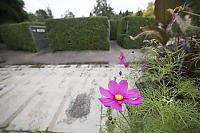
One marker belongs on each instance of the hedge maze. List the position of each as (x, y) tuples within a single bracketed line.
[(78, 33), (131, 26), (86, 33), (18, 37)]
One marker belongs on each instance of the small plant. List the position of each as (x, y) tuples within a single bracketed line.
[(116, 95), (36, 130)]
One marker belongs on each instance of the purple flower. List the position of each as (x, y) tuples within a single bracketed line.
[(120, 73), (121, 58), (118, 94)]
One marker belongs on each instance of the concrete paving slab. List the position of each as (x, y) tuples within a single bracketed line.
[(14, 101), (76, 119), (14, 77), (60, 97), (42, 107)]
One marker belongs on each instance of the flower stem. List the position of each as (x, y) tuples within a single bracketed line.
[(121, 128), (126, 121), (191, 13)]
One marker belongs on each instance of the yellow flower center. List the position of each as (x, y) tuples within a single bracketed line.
[(118, 97), (121, 57)]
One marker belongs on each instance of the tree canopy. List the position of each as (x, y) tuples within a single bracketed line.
[(103, 9), (139, 13), (149, 11), (12, 11), (40, 15), (68, 14)]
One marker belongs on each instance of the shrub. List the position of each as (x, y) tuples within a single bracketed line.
[(113, 29), (17, 36), (78, 33), (175, 96), (134, 24)]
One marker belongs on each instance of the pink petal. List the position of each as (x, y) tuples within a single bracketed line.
[(105, 92), (124, 61), (121, 101), (121, 53), (135, 102), (106, 101), (133, 93), (117, 106), (121, 62), (123, 86), (113, 86)]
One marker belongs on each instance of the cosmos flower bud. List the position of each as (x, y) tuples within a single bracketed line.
[(110, 118), (120, 73), (126, 65)]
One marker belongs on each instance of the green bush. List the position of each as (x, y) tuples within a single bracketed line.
[(17, 36), (78, 33), (113, 29), (134, 24)]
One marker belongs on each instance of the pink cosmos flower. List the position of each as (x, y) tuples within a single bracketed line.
[(121, 58), (120, 73), (118, 94)]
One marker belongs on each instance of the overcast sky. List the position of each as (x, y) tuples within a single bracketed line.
[(82, 7)]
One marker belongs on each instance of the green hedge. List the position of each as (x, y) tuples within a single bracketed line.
[(78, 33), (113, 28), (17, 36), (134, 24)]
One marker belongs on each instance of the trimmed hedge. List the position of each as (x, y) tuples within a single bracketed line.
[(114, 28), (17, 36), (134, 24), (78, 33)]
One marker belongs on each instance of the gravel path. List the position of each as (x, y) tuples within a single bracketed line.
[(69, 57)]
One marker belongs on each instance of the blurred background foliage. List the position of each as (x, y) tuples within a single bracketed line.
[(12, 11)]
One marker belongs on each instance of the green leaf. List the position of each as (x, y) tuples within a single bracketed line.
[(163, 38)]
